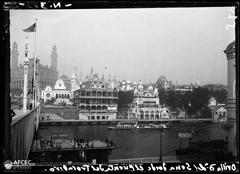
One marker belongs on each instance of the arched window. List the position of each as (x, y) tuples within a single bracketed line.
[(56, 96), (62, 96)]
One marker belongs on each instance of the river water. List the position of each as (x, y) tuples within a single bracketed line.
[(140, 143)]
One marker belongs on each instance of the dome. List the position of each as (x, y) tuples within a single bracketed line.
[(59, 84), (150, 88), (128, 82), (230, 48), (48, 88), (135, 83), (140, 86), (123, 83)]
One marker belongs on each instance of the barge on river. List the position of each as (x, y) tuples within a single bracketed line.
[(121, 126)]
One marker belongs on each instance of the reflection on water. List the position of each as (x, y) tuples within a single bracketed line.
[(139, 143)]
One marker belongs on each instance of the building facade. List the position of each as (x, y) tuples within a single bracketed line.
[(218, 112), (96, 100), (59, 93), (47, 76), (146, 104)]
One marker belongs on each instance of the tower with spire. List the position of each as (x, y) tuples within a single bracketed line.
[(73, 82), (54, 58), (91, 74), (14, 56)]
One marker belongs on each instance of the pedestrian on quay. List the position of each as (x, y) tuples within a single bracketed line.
[(111, 143), (106, 140)]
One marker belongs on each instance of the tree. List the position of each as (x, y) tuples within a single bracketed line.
[(125, 98)]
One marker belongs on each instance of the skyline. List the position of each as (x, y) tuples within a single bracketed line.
[(131, 43)]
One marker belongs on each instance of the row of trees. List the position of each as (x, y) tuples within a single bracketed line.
[(125, 98), (191, 101)]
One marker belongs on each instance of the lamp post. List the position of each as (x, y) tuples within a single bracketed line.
[(160, 156)]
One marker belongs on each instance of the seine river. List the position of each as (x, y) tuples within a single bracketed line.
[(140, 143)]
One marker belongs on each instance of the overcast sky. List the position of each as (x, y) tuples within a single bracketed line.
[(185, 44)]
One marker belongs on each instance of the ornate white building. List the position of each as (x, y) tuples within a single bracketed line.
[(59, 92), (96, 100), (146, 104)]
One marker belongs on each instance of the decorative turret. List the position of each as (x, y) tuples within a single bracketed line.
[(73, 82), (14, 56), (54, 58), (91, 74)]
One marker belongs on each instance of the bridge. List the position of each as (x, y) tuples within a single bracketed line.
[(23, 127)]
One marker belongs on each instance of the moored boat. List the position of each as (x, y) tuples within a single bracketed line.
[(152, 126), (121, 126)]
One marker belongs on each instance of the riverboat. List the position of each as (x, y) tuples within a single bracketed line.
[(122, 126), (152, 126), (140, 127)]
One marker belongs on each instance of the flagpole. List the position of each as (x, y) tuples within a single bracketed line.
[(26, 64), (34, 69)]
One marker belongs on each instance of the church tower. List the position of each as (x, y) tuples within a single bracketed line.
[(231, 99), (14, 56), (54, 58)]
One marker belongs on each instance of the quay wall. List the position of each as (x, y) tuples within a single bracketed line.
[(66, 112)]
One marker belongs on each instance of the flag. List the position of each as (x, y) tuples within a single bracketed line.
[(32, 28)]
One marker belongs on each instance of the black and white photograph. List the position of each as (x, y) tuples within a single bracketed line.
[(138, 85)]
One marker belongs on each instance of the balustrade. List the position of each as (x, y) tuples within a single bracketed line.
[(23, 128)]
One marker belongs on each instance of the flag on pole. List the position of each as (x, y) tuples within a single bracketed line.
[(32, 28)]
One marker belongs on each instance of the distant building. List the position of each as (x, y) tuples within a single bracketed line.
[(96, 100), (146, 104), (126, 86), (212, 102), (163, 83), (215, 87), (218, 112), (184, 88), (47, 76), (59, 93)]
